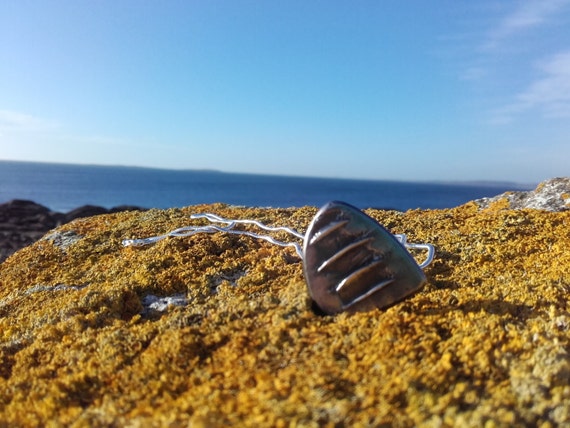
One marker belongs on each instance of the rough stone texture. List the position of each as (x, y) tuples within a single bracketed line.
[(550, 195), (85, 339), (24, 222)]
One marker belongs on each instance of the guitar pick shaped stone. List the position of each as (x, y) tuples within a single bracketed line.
[(352, 263)]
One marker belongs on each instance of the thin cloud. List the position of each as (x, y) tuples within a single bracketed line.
[(504, 48), (528, 15), (491, 48), (13, 121), (17, 124), (549, 94)]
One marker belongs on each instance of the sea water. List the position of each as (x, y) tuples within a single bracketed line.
[(63, 187)]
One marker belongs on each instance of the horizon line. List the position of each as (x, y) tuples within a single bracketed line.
[(473, 182)]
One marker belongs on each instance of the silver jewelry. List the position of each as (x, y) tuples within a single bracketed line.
[(350, 262)]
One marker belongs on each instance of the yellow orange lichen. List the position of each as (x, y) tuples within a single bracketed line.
[(484, 343)]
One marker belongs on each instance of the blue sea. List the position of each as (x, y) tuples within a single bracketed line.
[(63, 187)]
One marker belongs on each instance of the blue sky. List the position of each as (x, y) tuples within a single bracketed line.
[(415, 90)]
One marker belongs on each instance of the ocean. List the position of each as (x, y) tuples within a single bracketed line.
[(63, 187)]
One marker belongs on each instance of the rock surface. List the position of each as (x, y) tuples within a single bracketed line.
[(24, 222), (550, 195), (217, 329)]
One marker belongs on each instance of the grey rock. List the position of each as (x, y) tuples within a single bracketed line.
[(63, 240), (550, 195), (155, 305)]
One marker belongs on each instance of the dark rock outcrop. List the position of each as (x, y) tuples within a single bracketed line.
[(23, 222)]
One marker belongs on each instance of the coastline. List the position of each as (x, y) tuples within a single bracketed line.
[(63, 187)]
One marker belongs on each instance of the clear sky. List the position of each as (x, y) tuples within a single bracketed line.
[(383, 89)]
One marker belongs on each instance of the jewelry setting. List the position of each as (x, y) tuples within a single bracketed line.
[(351, 263)]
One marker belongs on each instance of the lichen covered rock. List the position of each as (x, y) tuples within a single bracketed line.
[(550, 195), (217, 329)]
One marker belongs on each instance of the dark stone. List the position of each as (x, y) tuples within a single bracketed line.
[(26, 213), (23, 222), (85, 211)]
